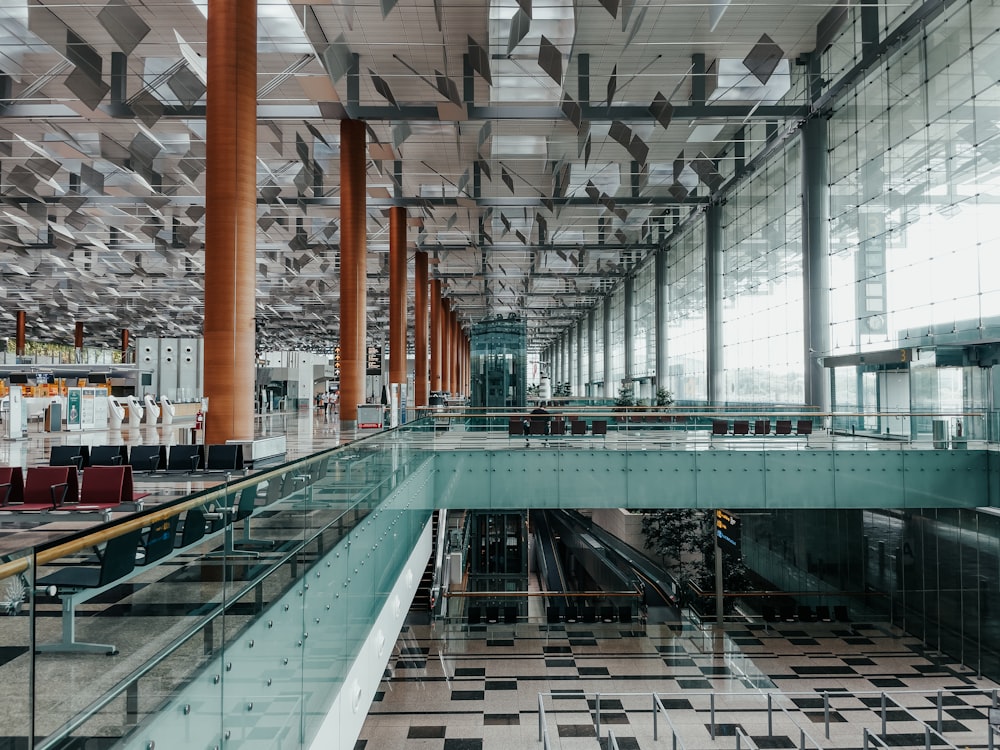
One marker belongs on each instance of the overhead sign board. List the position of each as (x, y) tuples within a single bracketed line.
[(373, 360), (727, 528)]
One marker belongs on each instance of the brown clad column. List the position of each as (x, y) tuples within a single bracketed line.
[(124, 342), (353, 259), (456, 332), (436, 337), (230, 220), (446, 344), (397, 295), (78, 341), (420, 381), (19, 333)]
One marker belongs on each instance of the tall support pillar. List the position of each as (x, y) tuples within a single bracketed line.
[(420, 379), (353, 259), (446, 346), (456, 348), (125, 342), (230, 220), (629, 332), (397, 295), (19, 333), (660, 323), (815, 261), (437, 340), (581, 331), (591, 352), (610, 387), (78, 341), (713, 305)]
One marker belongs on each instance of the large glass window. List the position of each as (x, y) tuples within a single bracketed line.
[(914, 157), (762, 284), (617, 342), (644, 321), (687, 369), (597, 320)]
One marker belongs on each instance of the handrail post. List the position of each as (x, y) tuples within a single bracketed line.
[(597, 711), (884, 730), (940, 711), (802, 739), (770, 719), (541, 717), (864, 735), (989, 737), (826, 712), (711, 705), (927, 737), (738, 735), (656, 716)]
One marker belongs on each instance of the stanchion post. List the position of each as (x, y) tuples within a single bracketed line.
[(826, 712)]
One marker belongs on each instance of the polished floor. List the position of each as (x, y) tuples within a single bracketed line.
[(455, 687)]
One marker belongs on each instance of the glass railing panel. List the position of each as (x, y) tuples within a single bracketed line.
[(16, 657)]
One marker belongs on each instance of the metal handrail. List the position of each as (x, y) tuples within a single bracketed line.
[(676, 742)]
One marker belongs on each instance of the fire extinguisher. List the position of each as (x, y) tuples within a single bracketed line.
[(199, 420)]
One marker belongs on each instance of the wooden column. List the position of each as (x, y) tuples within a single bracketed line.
[(19, 333), (397, 295), (353, 259), (456, 349), (125, 336), (78, 341), (230, 220), (436, 337), (446, 344), (420, 380)]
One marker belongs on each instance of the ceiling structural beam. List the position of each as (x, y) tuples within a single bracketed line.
[(280, 112)]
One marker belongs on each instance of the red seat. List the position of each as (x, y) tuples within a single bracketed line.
[(13, 479), (47, 487), (106, 486)]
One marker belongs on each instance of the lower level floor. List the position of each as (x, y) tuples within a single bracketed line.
[(460, 687)]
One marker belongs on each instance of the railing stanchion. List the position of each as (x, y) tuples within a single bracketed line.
[(802, 739), (770, 720), (927, 737), (864, 734), (940, 711), (597, 711), (826, 712), (656, 719), (541, 717), (884, 729), (711, 705)]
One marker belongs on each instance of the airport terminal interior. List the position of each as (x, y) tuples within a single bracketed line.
[(476, 374)]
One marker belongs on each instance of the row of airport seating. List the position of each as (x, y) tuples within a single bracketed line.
[(151, 458), (762, 427), (46, 488), (124, 556), (541, 426), (788, 612), (588, 614)]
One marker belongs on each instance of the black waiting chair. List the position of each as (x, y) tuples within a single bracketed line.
[(741, 427), (510, 615), (147, 457), (492, 614), (823, 613), (474, 616), (720, 427), (805, 613), (768, 613), (840, 613), (109, 455), (761, 426), (158, 541), (783, 427), (70, 455), (625, 614), (588, 614), (572, 614), (185, 458), (803, 427), (553, 615), (225, 457), (607, 614), (578, 427)]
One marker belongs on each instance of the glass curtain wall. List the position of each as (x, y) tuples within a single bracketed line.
[(915, 152), (598, 355), (686, 324), (762, 283), (617, 343), (644, 321)]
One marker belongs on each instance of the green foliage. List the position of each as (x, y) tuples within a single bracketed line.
[(626, 394), (677, 538), (561, 390), (684, 540), (664, 397)]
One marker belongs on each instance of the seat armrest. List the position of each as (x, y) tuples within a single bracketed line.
[(58, 493)]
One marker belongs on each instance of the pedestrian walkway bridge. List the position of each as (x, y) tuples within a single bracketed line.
[(262, 612)]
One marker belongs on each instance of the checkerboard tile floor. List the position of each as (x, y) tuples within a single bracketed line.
[(456, 688)]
